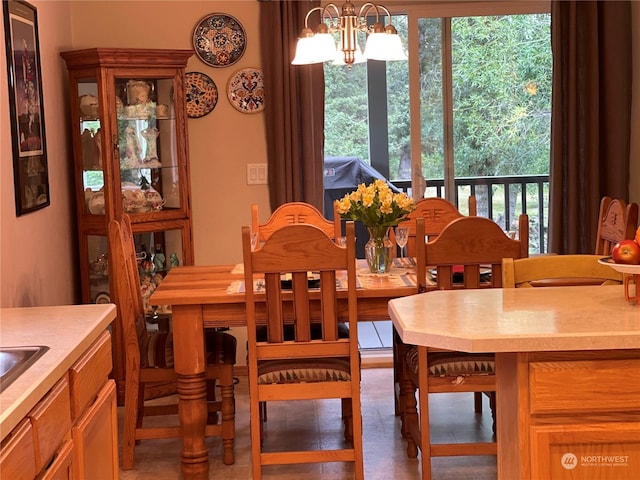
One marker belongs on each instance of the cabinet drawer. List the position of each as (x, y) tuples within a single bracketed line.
[(51, 421), (17, 457), (60, 468), (584, 386), (89, 374)]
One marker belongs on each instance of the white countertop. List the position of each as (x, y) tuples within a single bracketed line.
[(519, 319), (67, 330)]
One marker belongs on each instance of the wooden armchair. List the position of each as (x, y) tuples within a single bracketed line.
[(558, 271), (616, 221), (476, 247), (149, 359), (303, 368)]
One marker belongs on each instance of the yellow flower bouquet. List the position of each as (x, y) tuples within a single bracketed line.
[(378, 208)]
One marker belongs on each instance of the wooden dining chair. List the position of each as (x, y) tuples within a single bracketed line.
[(467, 254), (437, 213), (291, 213), (303, 368), (616, 221), (288, 214), (149, 360), (558, 271)]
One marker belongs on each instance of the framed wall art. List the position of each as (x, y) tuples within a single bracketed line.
[(30, 171)]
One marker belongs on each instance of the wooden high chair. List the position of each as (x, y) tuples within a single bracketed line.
[(557, 271)]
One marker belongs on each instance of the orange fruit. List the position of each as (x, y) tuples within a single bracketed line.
[(638, 236)]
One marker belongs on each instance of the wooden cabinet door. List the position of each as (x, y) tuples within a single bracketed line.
[(95, 438), (62, 466), (17, 456), (603, 451)]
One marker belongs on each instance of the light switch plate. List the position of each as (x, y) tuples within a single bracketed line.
[(257, 174)]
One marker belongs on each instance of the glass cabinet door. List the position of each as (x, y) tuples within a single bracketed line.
[(98, 261), (147, 145), (157, 252), (91, 141)]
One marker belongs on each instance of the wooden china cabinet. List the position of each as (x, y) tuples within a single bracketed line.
[(128, 118)]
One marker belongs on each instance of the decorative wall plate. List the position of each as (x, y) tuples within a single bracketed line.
[(103, 297), (219, 40), (201, 94), (246, 90)]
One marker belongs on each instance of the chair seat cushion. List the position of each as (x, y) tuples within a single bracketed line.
[(304, 371), (452, 363), (158, 350)]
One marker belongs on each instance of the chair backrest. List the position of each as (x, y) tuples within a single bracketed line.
[(557, 270), (124, 271), (468, 253), (293, 213), (292, 252), (437, 213), (616, 221)]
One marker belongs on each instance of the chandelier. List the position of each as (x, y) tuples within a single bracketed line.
[(383, 41)]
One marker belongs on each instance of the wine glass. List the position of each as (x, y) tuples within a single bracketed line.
[(402, 235), (254, 240)]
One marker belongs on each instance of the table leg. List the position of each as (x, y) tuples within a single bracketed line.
[(190, 362), (512, 419)]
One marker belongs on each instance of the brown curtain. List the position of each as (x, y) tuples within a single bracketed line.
[(591, 117), (294, 106)]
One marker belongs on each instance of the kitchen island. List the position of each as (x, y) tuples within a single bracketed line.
[(61, 411), (567, 372)]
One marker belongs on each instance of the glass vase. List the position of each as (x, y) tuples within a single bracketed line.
[(378, 250)]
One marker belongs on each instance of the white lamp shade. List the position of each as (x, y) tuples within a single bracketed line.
[(325, 47), (384, 46), (305, 52), (316, 49), (394, 48)]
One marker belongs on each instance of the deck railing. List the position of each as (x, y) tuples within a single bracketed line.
[(501, 199)]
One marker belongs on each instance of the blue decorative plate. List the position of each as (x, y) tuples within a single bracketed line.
[(246, 90), (201, 94), (219, 40)]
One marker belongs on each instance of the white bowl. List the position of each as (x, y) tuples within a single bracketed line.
[(620, 267)]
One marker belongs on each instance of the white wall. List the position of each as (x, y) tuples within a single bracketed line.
[(38, 259)]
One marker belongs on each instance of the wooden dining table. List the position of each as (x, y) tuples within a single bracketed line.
[(567, 372), (213, 296)]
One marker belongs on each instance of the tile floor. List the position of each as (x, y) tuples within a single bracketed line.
[(316, 423)]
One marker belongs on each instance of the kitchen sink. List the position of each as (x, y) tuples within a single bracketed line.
[(14, 361)]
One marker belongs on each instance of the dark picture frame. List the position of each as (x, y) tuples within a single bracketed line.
[(30, 170)]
